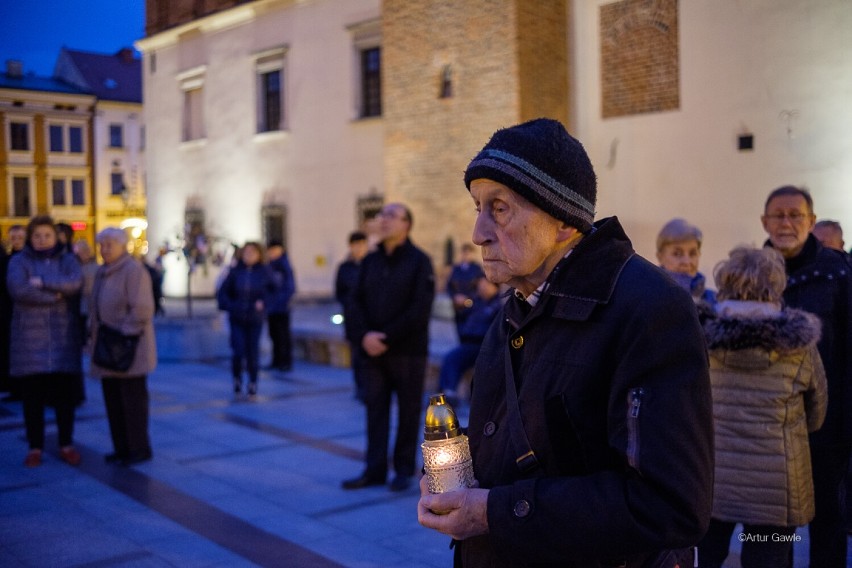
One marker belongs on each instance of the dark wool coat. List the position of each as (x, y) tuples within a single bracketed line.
[(45, 335), (394, 295), (769, 391), (612, 379), (819, 281)]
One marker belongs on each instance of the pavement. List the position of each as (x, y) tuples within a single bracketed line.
[(232, 482)]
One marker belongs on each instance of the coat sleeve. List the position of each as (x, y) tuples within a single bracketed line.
[(656, 491), (140, 300), (419, 309), (68, 281), (224, 296), (816, 397), (20, 289)]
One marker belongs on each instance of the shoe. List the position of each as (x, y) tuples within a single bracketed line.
[(114, 458), (33, 458), (252, 390), (362, 481), (238, 386), (70, 456), (400, 483), (137, 458)]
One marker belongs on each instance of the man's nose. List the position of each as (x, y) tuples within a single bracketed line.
[(481, 231)]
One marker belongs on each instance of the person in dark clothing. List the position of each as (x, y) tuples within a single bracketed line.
[(245, 294), (390, 312), (591, 426), (819, 281), (487, 303), (5, 328), (344, 289), (17, 240), (46, 346), (278, 310), (461, 285)]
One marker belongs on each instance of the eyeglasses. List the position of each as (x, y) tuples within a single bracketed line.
[(795, 217)]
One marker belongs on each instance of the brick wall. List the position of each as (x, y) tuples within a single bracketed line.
[(507, 63), (639, 57)]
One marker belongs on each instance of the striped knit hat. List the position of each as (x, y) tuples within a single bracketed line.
[(545, 165)]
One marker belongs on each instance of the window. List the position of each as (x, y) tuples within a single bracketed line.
[(57, 138), (20, 135), (58, 186), (270, 101), (116, 136), (367, 64), (21, 189), (269, 67), (191, 82), (75, 139), (371, 86), (117, 183), (78, 192), (274, 223), (193, 125)]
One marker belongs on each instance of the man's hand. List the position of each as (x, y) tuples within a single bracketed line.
[(374, 343), (463, 511)]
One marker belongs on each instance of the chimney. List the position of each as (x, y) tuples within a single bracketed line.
[(125, 55), (14, 68)]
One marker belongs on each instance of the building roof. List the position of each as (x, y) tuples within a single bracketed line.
[(116, 77), (31, 82)]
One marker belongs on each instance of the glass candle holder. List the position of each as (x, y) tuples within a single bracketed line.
[(446, 451)]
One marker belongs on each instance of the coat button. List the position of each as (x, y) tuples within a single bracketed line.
[(522, 508), (489, 429), (518, 342)]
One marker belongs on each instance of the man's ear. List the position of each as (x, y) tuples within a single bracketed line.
[(566, 233)]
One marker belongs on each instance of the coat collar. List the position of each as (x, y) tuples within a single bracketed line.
[(585, 278)]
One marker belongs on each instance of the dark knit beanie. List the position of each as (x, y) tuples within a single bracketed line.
[(545, 165)]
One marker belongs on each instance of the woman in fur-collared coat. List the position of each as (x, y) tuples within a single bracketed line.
[(769, 392)]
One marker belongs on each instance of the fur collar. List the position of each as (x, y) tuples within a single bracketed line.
[(788, 330)]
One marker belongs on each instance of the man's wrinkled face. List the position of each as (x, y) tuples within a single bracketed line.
[(516, 237), (788, 222), (681, 257)]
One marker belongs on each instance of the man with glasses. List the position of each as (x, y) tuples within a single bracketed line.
[(390, 314), (818, 281)]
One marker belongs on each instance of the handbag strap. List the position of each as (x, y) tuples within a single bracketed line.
[(526, 460)]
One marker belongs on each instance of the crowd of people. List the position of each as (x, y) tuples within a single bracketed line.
[(622, 412), (56, 301)]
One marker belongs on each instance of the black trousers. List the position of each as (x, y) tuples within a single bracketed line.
[(49, 389), (282, 342), (827, 530), (384, 376), (126, 401)]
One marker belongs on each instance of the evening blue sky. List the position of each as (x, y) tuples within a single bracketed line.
[(33, 31)]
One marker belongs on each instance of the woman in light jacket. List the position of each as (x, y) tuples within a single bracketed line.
[(769, 392), (46, 343), (122, 298)]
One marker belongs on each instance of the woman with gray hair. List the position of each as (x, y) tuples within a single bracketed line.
[(769, 392), (122, 299)]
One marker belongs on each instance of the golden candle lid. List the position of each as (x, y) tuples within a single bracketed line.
[(441, 421)]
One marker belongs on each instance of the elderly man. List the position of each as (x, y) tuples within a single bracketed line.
[(390, 311), (829, 234), (590, 420), (819, 280)]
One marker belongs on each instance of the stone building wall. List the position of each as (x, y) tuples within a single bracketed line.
[(505, 62)]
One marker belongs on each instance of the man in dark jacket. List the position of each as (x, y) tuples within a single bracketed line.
[(590, 421), (390, 318), (819, 280), (345, 283), (278, 311)]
